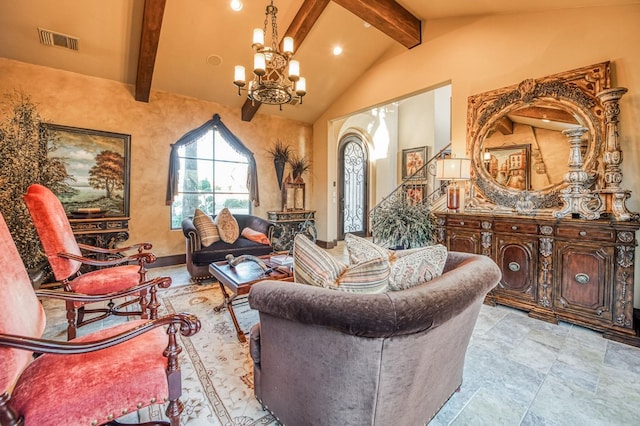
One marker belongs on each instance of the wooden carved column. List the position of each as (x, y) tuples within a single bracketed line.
[(623, 294), (615, 197), (486, 237), (546, 266)]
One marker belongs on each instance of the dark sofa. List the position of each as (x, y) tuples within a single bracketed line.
[(324, 357), (198, 257)]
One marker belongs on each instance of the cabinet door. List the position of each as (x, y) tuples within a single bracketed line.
[(517, 258), (463, 240), (584, 284)]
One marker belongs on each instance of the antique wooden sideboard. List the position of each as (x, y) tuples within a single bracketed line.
[(546, 200), (579, 271)]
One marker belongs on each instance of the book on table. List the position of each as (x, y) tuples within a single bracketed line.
[(282, 259)]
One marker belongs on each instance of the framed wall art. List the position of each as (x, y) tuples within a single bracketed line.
[(97, 165), (412, 161), (510, 166), (415, 192)]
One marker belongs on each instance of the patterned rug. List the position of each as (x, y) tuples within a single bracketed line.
[(217, 371)]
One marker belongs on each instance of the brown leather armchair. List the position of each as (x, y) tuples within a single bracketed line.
[(90, 380), (328, 357)]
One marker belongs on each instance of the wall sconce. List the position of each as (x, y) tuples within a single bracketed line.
[(453, 169)]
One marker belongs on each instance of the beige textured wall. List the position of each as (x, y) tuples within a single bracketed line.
[(479, 54), (76, 100)]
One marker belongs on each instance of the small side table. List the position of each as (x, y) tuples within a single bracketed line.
[(287, 224), (237, 281)]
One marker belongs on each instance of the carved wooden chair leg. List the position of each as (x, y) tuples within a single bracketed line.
[(153, 302), (72, 324), (8, 416), (143, 306), (174, 378)]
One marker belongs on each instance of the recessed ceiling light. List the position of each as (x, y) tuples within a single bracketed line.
[(214, 60), (337, 50), (367, 25), (236, 5)]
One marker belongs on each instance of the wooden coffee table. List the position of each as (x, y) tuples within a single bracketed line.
[(237, 281)]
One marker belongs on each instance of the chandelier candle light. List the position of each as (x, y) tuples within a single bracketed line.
[(453, 169), (276, 79)]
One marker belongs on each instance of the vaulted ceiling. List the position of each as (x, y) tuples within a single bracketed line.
[(190, 47)]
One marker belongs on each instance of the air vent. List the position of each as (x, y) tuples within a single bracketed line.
[(50, 38)]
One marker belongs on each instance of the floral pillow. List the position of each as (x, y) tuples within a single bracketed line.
[(227, 226), (419, 266), (361, 249), (408, 267), (314, 266)]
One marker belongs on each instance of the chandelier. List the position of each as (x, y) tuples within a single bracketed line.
[(276, 79)]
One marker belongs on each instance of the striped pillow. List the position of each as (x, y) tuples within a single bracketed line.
[(207, 230), (314, 266)]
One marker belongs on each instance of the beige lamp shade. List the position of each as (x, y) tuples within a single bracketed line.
[(453, 169)]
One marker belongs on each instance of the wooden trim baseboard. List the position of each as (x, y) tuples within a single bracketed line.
[(326, 244), (176, 259)]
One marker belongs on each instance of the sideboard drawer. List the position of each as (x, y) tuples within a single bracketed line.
[(588, 234), (521, 228), (471, 224)]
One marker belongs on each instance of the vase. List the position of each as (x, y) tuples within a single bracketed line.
[(279, 165)]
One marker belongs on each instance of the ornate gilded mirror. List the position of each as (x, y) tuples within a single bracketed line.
[(516, 142)]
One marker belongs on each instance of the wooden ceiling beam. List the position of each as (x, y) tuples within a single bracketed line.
[(300, 27), (149, 39), (504, 125), (543, 113), (389, 17)]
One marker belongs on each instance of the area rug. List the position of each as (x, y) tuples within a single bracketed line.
[(217, 372)]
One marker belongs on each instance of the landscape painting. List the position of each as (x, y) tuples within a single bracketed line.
[(97, 165)]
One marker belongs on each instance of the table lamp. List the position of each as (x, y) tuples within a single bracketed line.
[(453, 169)]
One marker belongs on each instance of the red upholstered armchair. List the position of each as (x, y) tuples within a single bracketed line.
[(90, 380), (65, 257)]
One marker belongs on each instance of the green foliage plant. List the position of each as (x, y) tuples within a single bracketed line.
[(24, 148), (400, 223)]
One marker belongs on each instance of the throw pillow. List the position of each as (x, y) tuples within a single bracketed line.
[(207, 230), (417, 267), (314, 266), (361, 249), (253, 235), (227, 226)]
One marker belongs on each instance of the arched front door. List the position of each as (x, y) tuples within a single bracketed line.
[(353, 208)]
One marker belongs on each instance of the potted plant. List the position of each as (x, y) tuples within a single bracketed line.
[(299, 165), (281, 154), (399, 223)]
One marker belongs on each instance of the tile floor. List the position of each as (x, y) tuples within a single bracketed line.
[(523, 371)]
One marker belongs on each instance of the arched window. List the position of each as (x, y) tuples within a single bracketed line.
[(210, 169)]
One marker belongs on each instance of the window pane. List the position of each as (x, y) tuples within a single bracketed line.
[(210, 170), (231, 177), (236, 203), (195, 175)]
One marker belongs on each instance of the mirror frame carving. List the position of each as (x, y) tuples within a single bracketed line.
[(575, 91)]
